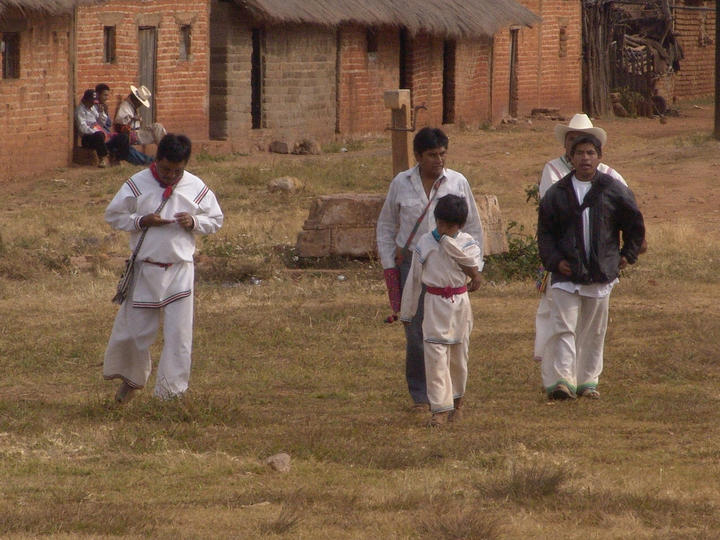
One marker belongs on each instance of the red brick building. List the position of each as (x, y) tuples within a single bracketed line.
[(162, 44), (323, 75), (36, 100)]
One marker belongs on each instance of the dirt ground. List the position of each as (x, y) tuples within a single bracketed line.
[(639, 463), (670, 166)]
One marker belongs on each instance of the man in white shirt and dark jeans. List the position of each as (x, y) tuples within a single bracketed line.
[(406, 215)]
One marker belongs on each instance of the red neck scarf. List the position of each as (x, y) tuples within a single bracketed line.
[(168, 187)]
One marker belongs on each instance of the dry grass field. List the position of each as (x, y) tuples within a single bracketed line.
[(298, 360)]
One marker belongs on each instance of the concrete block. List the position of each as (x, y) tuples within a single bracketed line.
[(344, 209), (354, 242), (314, 243)]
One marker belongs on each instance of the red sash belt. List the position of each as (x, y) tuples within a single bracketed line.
[(446, 292), (161, 265)]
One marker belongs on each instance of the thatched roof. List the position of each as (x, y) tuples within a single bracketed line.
[(456, 18), (52, 7)]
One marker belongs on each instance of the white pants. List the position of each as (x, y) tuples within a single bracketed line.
[(152, 134), (445, 373), (543, 324), (127, 355), (574, 352)]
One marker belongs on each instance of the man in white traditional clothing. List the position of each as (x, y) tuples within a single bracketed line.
[(127, 120), (406, 215), (441, 263), (554, 170), (172, 206)]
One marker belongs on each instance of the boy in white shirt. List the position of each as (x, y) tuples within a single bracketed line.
[(442, 260)]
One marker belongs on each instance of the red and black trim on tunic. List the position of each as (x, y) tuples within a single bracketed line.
[(200, 196), (163, 303)]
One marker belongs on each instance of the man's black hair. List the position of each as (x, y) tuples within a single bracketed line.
[(587, 139), (452, 209), (428, 139), (174, 148), (101, 87)]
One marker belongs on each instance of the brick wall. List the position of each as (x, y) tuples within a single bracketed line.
[(299, 95), (472, 82), (549, 64), (425, 70), (181, 96), (230, 65), (695, 31), (364, 77), (35, 113)]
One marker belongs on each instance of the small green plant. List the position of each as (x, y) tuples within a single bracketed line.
[(532, 193), (522, 260)]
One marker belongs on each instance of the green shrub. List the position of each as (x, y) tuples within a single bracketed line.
[(522, 259)]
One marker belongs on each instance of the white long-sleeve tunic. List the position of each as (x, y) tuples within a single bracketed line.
[(167, 244), (437, 264)]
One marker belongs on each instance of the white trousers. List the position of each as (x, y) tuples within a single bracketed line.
[(543, 323), (445, 373), (127, 355), (574, 352)]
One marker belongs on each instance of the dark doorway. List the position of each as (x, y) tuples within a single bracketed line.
[(514, 98), (405, 80), (257, 72), (448, 87)]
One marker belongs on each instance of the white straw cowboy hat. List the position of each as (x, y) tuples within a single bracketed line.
[(580, 122), (142, 93)]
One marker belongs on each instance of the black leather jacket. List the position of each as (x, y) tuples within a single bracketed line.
[(560, 229)]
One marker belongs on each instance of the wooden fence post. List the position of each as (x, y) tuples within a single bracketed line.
[(398, 101)]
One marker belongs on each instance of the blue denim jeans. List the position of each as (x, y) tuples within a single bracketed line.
[(136, 157), (414, 353)]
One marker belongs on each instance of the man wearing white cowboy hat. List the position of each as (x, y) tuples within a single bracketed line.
[(557, 168), (553, 171), (127, 120)]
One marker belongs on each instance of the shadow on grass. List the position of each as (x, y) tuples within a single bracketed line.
[(82, 518)]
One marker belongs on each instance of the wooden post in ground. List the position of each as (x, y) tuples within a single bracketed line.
[(716, 133), (398, 101)]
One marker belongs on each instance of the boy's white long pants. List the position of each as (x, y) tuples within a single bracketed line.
[(445, 373)]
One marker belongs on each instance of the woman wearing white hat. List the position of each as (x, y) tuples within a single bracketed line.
[(554, 170)]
